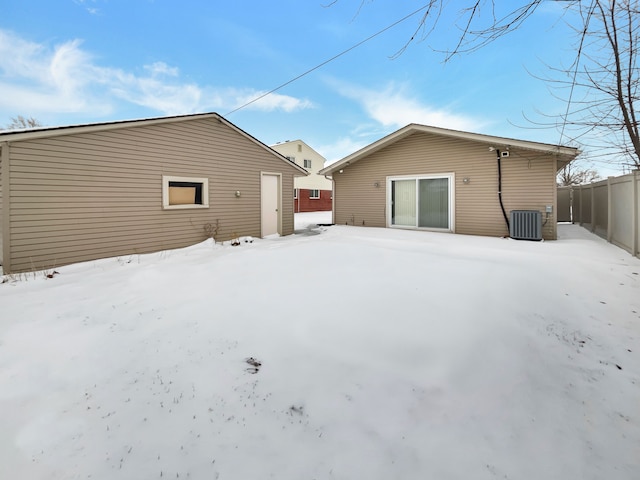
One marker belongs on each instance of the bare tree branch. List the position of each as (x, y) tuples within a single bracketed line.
[(22, 123), (574, 174), (433, 4), (601, 85)]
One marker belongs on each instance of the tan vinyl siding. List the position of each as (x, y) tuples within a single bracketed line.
[(3, 152), (90, 195), (528, 181)]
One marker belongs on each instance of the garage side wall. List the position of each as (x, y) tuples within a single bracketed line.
[(84, 196), (4, 154), (528, 183)]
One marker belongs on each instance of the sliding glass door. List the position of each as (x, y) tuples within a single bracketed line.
[(421, 202), (404, 202)]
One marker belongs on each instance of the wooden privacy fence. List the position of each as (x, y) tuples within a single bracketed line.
[(609, 208)]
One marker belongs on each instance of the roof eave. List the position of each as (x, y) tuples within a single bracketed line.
[(47, 132), (567, 152)]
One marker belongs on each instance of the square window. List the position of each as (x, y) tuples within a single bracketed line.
[(307, 163), (184, 192), (314, 194)]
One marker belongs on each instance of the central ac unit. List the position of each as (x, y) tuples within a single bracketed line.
[(525, 225)]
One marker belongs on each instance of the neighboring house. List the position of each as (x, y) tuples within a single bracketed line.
[(312, 193), (423, 177), (70, 194)]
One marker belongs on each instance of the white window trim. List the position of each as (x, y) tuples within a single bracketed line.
[(452, 196), (314, 198), (165, 192)]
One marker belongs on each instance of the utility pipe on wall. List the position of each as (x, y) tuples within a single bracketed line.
[(504, 213)]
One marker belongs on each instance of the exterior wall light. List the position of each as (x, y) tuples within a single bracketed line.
[(237, 193)]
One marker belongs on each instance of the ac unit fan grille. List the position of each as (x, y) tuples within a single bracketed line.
[(525, 225)]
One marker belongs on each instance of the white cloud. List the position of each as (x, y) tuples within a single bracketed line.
[(340, 149), (151, 92), (38, 79), (388, 109), (273, 101), (83, 3), (66, 68), (393, 107), (161, 68)]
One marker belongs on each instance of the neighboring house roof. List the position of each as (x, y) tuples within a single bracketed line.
[(297, 141), (45, 132), (565, 154)]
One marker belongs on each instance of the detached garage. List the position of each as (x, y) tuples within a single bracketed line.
[(77, 193)]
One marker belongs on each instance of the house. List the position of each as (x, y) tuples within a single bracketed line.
[(312, 193), (423, 177), (77, 193)]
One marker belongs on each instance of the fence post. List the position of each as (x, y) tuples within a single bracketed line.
[(609, 211), (635, 227), (593, 209), (571, 211), (581, 205)]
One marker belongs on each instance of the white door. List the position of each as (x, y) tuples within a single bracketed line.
[(270, 197)]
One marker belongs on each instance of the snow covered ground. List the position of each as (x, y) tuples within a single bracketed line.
[(353, 353)]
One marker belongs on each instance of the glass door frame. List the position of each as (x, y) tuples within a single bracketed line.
[(451, 200)]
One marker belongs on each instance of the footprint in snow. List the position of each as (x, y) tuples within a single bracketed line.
[(255, 365)]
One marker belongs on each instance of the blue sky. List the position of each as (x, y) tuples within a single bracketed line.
[(82, 61)]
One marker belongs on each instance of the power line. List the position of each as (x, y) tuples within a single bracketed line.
[(327, 61)]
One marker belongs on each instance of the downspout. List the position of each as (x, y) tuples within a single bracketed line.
[(504, 213)]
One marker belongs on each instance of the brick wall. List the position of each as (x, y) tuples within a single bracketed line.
[(305, 204)]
